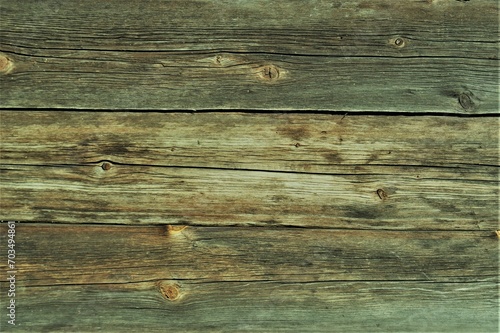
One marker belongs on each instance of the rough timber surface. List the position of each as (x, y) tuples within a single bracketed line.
[(235, 169), (378, 55), (254, 279), (314, 143), (157, 188)]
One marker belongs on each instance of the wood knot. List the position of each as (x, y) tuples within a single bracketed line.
[(465, 100), (269, 73), (382, 194), (6, 64), (169, 290), (106, 166), (175, 229), (398, 42)]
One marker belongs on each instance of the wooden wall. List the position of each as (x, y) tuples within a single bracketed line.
[(261, 166)]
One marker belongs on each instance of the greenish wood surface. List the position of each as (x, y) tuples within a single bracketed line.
[(341, 173), (380, 55), (264, 307), (145, 195), (157, 278), (314, 143), (225, 169)]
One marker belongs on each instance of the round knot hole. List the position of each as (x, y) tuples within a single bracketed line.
[(106, 166), (170, 291), (399, 42)]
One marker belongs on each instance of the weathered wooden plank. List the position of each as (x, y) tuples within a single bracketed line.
[(260, 307), (396, 214), (84, 277), (303, 170), (273, 142), (426, 56), (106, 193), (167, 81), (343, 28), (87, 254)]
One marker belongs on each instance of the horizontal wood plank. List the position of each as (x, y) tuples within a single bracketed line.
[(260, 307), (318, 27), (225, 169), (85, 278), (105, 193), (370, 203), (51, 254), (383, 55), (272, 142)]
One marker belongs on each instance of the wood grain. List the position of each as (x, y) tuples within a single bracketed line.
[(262, 307), (96, 254), (273, 142), (88, 278), (241, 169), (416, 56), (251, 166), (145, 195)]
